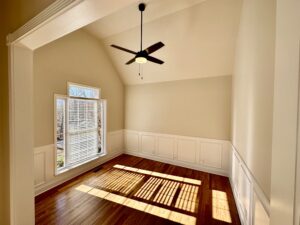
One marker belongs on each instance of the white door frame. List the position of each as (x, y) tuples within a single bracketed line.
[(59, 19), (285, 113)]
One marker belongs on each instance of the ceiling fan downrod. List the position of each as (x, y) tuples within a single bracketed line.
[(142, 7)]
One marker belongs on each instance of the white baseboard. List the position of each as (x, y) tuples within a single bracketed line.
[(44, 163), (208, 155), (253, 205), (182, 164)]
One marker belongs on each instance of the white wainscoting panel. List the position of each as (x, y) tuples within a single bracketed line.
[(186, 150), (260, 215), (132, 141), (39, 168), (166, 147), (44, 163), (148, 143), (244, 190), (116, 141), (235, 171), (211, 154), (192, 152), (253, 206)]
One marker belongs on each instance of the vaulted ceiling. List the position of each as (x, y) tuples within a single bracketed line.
[(199, 38)]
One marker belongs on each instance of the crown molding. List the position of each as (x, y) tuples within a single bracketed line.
[(55, 9)]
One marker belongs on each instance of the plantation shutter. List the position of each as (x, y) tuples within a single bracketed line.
[(82, 123)]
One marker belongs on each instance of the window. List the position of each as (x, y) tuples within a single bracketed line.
[(79, 91), (80, 126)]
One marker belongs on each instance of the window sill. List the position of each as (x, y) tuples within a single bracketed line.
[(66, 169)]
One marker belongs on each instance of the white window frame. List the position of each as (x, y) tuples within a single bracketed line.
[(58, 171), (82, 85), (56, 97)]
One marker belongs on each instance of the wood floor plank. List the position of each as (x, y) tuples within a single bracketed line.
[(128, 194)]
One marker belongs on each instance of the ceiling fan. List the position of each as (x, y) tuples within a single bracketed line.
[(143, 55)]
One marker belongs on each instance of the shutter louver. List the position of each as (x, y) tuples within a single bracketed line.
[(82, 130)]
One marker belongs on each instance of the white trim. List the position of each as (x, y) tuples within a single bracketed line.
[(79, 163), (207, 140), (84, 86), (12, 124), (39, 152), (297, 173), (259, 191), (179, 163), (104, 102), (61, 18), (57, 8), (201, 156), (133, 146), (57, 96), (21, 135), (254, 187)]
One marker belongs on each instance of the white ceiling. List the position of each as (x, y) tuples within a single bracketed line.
[(199, 38)]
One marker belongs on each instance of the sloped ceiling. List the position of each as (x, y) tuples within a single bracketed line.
[(199, 38)]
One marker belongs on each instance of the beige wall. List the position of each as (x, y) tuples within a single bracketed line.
[(79, 58), (253, 89), (198, 107)]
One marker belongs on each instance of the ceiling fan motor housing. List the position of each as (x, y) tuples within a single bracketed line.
[(142, 54), (142, 7)]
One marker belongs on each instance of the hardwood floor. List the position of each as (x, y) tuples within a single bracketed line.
[(132, 190)]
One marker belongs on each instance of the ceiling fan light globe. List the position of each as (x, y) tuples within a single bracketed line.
[(140, 60)]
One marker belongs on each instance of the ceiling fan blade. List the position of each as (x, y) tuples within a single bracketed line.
[(123, 49), (130, 61), (154, 47), (155, 60)]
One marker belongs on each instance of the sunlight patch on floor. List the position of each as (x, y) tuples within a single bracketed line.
[(187, 198), (220, 206), (157, 174), (121, 181), (148, 188), (161, 188), (141, 206), (167, 192)]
